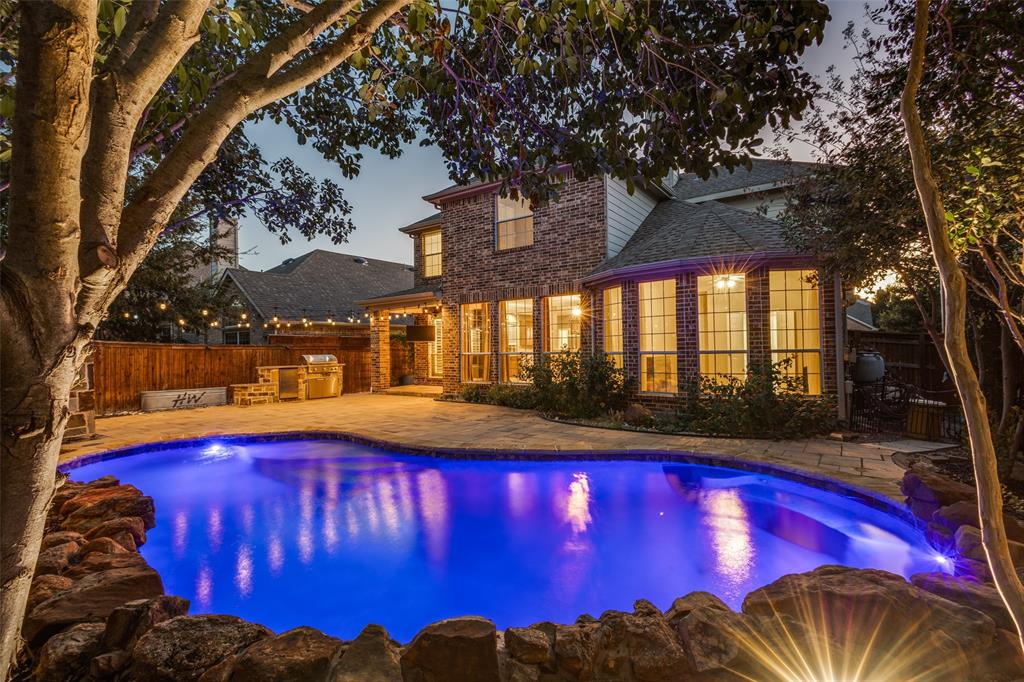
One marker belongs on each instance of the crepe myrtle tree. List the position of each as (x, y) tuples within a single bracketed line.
[(508, 89), (948, 237)]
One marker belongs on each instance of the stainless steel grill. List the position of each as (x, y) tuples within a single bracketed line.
[(323, 376)]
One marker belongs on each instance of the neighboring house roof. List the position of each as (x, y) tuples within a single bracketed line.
[(318, 284), (859, 317), (763, 174), (422, 224), (679, 231)]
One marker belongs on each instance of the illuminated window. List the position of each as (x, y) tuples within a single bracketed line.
[(516, 344), (562, 316), (796, 325), (436, 366), (476, 342), (514, 223), (722, 326), (658, 369), (431, 246), (613, 324)]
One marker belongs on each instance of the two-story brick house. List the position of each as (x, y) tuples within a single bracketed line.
[(684, 278)]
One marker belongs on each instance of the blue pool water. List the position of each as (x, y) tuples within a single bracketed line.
[(337, 535)]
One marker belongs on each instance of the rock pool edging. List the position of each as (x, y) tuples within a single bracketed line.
[(81, 632)]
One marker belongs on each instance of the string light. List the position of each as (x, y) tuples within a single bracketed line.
[(127, 315), (162, 306), (205, 312), (245, 316)]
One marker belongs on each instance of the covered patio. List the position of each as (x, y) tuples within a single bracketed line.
[(423, 304)]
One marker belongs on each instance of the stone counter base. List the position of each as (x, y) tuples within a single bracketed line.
[(97, 612)]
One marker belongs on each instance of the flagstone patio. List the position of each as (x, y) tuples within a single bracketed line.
[(423, 422)]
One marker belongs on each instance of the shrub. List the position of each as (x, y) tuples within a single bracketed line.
[(638, 415), (505, 395), (578, 386), (767, 404)]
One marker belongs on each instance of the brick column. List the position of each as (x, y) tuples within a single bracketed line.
[(421, 351), (686, 328), (759, 341), (589, 303), (829, 334), (380, 351), (631, 332), (451, 327), (495, 338)]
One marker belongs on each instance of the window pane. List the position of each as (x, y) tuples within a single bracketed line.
[(476, 342), (514, 221), (658, 373), (431, 245), (516, 336), (722, 325), (795, 326), (562, 317), (613, 325)]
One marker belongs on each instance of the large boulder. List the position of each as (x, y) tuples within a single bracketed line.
[(870, 608), (968, 544), (575, 649), (638, 646), (127, 623), (66, 655), (59, 538), (370, 656), (300, 654), (93, 508), (530, 646), (453, 650), (98, 563), (713, 637), (117, 528), (977, 595), (56, 559), (102, 546), (182, 649), (927, 491), (45, 586), (91, 599)]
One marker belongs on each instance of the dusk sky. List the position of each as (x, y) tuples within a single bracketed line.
[(387, 193)]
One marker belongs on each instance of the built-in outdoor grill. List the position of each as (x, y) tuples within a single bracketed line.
[(323, 376)]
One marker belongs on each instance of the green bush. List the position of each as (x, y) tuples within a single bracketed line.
[(578, 386), (768, 404), (505, 395)]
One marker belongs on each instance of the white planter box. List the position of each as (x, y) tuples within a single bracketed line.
[(182, 398)]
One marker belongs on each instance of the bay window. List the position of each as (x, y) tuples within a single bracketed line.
[(476, 342), (516, 342), (795, 319), (658, 360), (722, 326)]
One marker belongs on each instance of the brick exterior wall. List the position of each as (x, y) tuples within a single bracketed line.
[(568, 243)]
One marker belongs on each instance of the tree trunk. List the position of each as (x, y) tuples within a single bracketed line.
[(990, 500), (1010, 355)]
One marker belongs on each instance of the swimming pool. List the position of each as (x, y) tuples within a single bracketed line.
[(335, 535)]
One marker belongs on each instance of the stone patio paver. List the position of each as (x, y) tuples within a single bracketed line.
[(429, 423)]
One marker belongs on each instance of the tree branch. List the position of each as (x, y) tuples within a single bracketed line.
[(986, 475)]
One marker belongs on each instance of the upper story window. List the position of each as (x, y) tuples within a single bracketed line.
[(722, 326), (514, 222), (795, 320), (562, 317), (431, 247)]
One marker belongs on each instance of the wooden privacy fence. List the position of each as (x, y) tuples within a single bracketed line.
[(121, 371), (910, 358)]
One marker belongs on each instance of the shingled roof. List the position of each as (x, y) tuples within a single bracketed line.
[(319, 283), (679, 230), (762, 172)]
